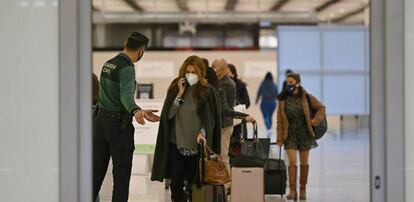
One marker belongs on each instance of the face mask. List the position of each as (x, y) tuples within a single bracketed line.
[(139, 56), (191, 79), (290, 88)]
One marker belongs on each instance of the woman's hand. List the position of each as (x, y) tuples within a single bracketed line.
[(181, 87), (314, 122), (201, 139)]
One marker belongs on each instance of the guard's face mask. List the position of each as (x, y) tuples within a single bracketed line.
[(140, 54), (192, 79)]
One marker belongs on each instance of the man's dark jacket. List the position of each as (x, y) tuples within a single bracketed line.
[(228, 85)]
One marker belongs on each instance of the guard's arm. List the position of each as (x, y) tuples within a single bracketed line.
[(127, 88)]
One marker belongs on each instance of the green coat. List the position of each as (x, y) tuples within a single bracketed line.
[(209, 112)]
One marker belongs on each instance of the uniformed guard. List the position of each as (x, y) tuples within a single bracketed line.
[(113, 132)]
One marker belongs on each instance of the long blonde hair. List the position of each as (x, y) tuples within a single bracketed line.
[(201, 87)]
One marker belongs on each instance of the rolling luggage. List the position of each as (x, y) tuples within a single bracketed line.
[(275, 176), (247, 184), (203, 192), (208, 193)]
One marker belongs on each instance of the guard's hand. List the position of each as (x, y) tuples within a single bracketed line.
[(139, 117), (201, 139), (250, 119), (150, 116), (181, 86)]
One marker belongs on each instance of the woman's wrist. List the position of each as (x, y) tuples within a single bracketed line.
[(178, 101)]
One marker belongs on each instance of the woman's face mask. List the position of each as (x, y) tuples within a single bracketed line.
[(291, 87), (192, 79)]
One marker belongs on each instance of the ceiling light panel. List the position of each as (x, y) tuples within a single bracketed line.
[(158, 5), (359, 18), (340, 8), (112, 5), (206, 5), (297, 6), (254, 5)]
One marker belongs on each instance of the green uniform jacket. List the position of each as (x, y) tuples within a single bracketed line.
[(210, 114), (117, 85)]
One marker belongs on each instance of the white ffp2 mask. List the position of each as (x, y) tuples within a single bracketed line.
[(191, 79)]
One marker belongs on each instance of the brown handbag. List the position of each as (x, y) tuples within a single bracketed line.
[(215, 172)]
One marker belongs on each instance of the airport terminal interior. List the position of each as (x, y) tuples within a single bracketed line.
[(354, 56), (255, 49)]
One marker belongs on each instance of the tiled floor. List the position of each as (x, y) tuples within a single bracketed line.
[(339, 169)]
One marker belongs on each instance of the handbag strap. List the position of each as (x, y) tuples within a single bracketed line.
[(208, 151), (255, 135), (244, 131)]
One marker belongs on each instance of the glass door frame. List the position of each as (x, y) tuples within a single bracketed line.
[(75, 95), (387, 101)]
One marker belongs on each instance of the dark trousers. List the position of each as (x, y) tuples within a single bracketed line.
[(182, 168), (268, 108), (109, 140)]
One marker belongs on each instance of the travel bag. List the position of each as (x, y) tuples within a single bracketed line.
[(275, 176)]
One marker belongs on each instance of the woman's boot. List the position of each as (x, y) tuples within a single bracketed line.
[(304, 171), (293, 194)]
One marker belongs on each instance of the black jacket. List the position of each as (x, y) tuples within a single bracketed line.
[(209, 113), (242, 96)]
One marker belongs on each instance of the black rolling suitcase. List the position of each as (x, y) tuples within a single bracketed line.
[(275, 176)]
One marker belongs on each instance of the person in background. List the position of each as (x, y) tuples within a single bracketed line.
[(226, 111), (227, 84), (268, 93), (295, 132), (95, 93), (288, 71), (242, 96), (210, 74), (95, 89), (113, 132), (190, 115)]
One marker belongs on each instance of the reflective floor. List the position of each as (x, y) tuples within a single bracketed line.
[(339, 168)]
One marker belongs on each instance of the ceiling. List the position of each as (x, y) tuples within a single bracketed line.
[(277, 11)]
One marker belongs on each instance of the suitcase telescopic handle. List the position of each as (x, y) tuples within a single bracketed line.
[(280, 166), (280, 152), (201, 165)]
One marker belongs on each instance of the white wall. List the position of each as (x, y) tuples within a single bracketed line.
[(29, 101), (162, 66), (409, 100)]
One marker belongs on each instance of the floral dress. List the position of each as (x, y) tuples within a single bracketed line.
[(298, 135)]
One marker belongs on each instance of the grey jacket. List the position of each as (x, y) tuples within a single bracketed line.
[(227, 84)]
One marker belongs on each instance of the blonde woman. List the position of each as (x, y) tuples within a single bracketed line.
[(190, 115)]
